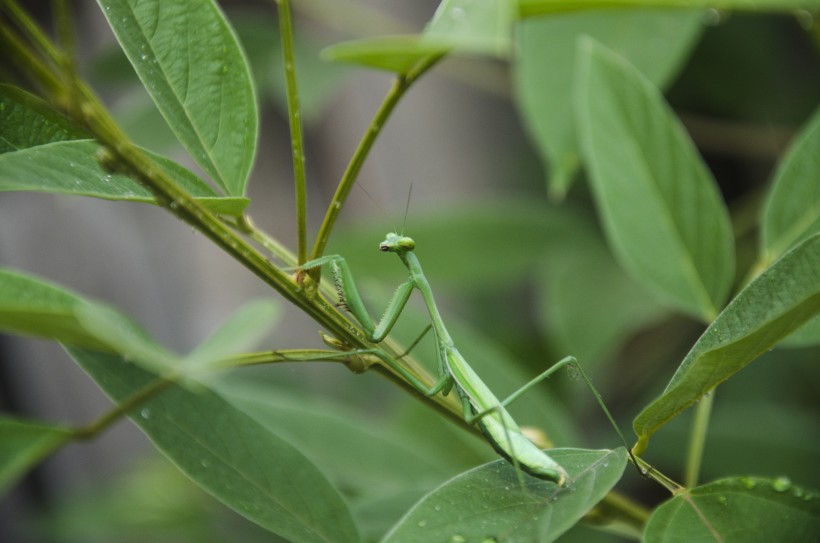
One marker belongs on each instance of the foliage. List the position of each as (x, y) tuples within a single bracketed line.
[(642, 249)]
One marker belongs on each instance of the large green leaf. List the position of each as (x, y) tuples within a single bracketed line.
[(656, 41), (189, 60), (34, 307), (488, 503), (792, 211), (659, 204), (71, 167), (738, 510), (43, 151), (229, 454), (24, 444), (365, 455), (775, 304)]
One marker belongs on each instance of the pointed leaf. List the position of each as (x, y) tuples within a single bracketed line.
[(189, 60), (71, 167), (738, 510), (775, 304), (24, 444), (488, 502), (31, 306), (792, 211), (230, 455), (655, 41), (365, 456), (660, 206)]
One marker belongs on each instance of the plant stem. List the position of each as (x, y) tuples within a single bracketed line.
[(400, 86), (697, 441), (649, 471), (30, 28), (295, 118), (17, 51), (123, 408)]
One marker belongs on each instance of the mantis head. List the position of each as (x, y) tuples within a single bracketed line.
[(395, 243)]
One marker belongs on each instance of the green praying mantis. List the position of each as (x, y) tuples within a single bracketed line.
[(480, 405)]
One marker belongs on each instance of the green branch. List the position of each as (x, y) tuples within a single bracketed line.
[(295, 119), (400, 86)]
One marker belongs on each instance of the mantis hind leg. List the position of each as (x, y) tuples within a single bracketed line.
[(569, 361)]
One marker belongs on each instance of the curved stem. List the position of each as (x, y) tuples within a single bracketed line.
[(400, 86)]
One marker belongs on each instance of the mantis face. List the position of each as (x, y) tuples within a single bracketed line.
[(395, 243)]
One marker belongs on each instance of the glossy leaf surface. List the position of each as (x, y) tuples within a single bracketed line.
[(661, 209), (190, 61), (775, 304), (489, 503), (655, 41), (229, 454), (738, 510), (42, 151)]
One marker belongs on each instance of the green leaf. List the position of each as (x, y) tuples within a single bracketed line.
[(474, 25), (42, 151), (539, 7), (226, 452), (655, 41), (24, 444), (489, 503), (470, 26), (189, 60), (71, 167), (775, 304), (738, 510), (399, 54), (30, 306), (365, 456), (792, 211), (27, 121), (661, 209)]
